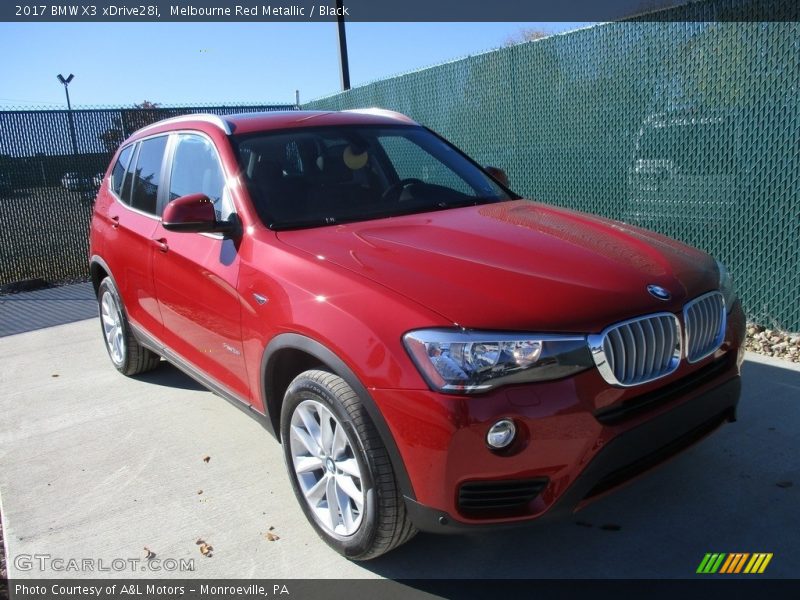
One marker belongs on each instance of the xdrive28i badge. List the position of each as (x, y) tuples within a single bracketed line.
[(658, 292)]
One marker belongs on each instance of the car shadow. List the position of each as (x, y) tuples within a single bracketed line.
[(169, 375), (736, 491)]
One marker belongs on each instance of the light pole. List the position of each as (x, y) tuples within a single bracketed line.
[(65, 83), (343, 62)]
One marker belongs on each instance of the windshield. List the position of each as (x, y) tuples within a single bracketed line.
[(328, 175)]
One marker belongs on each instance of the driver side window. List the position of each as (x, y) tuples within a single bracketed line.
[(196, 170)]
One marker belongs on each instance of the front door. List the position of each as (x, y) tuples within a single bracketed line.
[(196, 274)]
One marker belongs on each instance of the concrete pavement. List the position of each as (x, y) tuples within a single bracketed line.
[(97, 466)]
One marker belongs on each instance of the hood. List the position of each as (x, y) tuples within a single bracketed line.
[(517, 265)]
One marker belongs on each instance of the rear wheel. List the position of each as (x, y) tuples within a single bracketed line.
[(128, 356), (339, 468)]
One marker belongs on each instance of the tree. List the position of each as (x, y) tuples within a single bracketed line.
[(526, 35), (129, 120)]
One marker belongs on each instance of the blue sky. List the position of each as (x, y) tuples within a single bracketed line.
[(199, 63)]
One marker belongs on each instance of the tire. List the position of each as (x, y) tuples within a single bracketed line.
[(350, 457), (128, 356)]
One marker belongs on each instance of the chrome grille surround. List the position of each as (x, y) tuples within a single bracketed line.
[(705, 320), (638, 350)]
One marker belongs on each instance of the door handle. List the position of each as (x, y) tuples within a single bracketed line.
[(115, 222), (162, 244)]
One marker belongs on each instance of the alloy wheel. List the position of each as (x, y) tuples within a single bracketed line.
[(327, 470), (112, 328)]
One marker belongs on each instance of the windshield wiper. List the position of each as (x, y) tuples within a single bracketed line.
[(397, 212), (475, 201), (301, 224)]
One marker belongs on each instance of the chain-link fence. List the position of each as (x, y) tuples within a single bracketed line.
[(689, 129), (51, 163)]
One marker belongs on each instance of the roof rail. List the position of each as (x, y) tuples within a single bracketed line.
[(206, 117), (382, 112)]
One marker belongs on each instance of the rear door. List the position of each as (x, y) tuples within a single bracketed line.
[(132, 222), (196, 273)]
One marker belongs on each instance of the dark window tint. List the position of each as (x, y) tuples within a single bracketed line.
[(320, 176), (412, 161), (148, 174), (127, 182), (120, 167), (196, 170)]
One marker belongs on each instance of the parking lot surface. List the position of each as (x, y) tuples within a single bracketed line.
[(97, 466)]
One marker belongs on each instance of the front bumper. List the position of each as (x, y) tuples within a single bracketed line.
[(626, 456), (577, 438)]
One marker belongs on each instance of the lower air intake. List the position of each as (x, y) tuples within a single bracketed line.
[(494, 496)]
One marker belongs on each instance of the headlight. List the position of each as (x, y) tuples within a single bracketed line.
[(726, 286), (458, 361)]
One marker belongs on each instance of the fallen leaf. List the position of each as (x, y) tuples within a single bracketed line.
[(784, 484), (271, 537), (206, 459), (206, 549), (148, 554)]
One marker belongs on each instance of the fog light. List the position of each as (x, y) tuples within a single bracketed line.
[(501, 434)]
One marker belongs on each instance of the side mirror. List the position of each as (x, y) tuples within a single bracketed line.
[(498, 174), (193, 214)]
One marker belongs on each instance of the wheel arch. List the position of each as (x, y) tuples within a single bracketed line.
[(98, 270), (289, 354)]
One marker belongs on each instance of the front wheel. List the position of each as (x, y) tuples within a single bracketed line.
[(339, 468)]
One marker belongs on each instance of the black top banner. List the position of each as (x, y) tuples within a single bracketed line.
[(405, 11)]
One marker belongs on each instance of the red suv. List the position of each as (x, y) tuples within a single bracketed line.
[(433, 352)]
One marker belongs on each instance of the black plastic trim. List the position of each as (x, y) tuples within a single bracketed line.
[(501, 496), (95, 259), (152, 343), (635, 406), (648, 461)]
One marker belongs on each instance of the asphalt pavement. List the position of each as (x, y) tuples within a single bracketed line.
[(102, 468)]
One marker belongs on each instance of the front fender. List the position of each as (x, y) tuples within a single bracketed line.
[(272, 404)]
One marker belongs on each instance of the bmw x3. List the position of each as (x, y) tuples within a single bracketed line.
[(432, 351)]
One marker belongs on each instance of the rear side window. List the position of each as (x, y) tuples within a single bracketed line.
[(118, 174), (147, 175), (127, 181)]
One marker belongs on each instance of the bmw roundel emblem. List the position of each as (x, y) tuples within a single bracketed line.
[(658, 292)]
